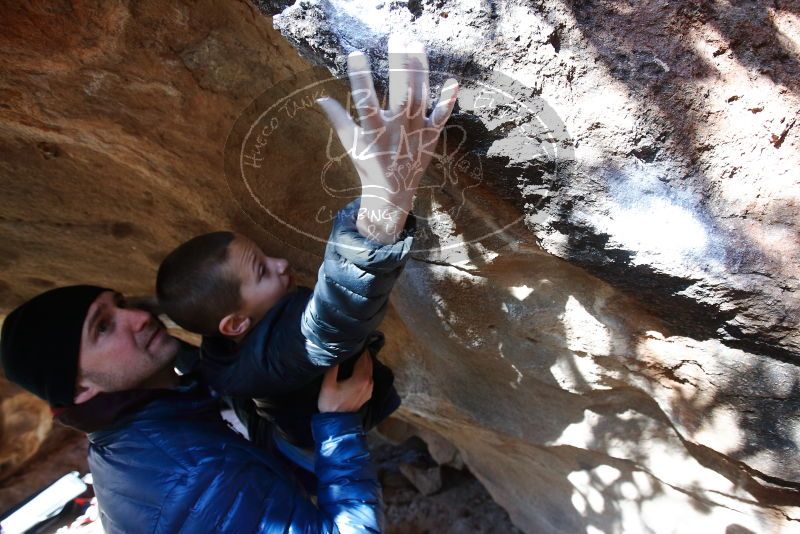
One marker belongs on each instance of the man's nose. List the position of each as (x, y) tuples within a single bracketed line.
[(281, 265), (138, 319)]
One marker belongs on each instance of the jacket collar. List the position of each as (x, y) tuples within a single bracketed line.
[(105, 409), (223, 351)]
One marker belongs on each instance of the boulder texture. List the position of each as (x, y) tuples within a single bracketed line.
[(113, 120), (630, 346), (601, 313)]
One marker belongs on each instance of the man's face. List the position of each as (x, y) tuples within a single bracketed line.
[(122, 348), (263, 280)]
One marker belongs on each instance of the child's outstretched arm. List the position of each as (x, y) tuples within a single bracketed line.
[(308, 332), (371, 237)]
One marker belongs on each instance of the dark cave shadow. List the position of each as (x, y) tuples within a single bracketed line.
[(631, 58), (660, 292)]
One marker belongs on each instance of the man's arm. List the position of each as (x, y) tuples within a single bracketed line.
[(228, 495), (348, 488)]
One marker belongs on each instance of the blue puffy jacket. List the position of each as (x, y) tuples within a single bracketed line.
[(173, 465)]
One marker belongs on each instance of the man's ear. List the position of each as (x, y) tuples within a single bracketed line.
[(233, 325), (85, 392)]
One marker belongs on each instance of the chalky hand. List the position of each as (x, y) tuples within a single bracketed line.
[(390, 148)]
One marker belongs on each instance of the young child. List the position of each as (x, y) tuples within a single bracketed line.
[(265, 338)]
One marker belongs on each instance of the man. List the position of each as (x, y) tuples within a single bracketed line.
[(161, 456)]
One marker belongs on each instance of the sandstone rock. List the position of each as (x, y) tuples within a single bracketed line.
[(601, 313), (669, 183), (442, 451), (395, 431), (25, 422), (114, 122), (635, 142), (427, 480)]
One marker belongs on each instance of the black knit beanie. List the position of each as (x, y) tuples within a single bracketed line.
[(41, 340)]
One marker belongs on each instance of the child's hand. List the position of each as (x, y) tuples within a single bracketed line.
[(348, 395), (391, 148)]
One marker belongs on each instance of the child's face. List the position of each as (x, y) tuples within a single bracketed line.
[(264, 280)]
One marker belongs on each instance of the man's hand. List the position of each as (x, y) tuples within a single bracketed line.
[(348, 395), (390, 148)]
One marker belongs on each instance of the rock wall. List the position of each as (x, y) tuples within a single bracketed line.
[(601, 314), (113, 120)]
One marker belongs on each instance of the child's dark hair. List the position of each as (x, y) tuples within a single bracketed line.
[(195, 288)]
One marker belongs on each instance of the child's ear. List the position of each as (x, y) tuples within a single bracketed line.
[(233, 325)]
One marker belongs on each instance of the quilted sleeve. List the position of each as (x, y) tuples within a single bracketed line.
[(227, 495), (352, 291)]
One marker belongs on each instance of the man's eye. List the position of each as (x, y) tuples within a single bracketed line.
[(103, 327), (261, 271)]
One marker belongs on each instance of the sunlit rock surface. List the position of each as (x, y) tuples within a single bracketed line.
[(625, 357), (601, 313)]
